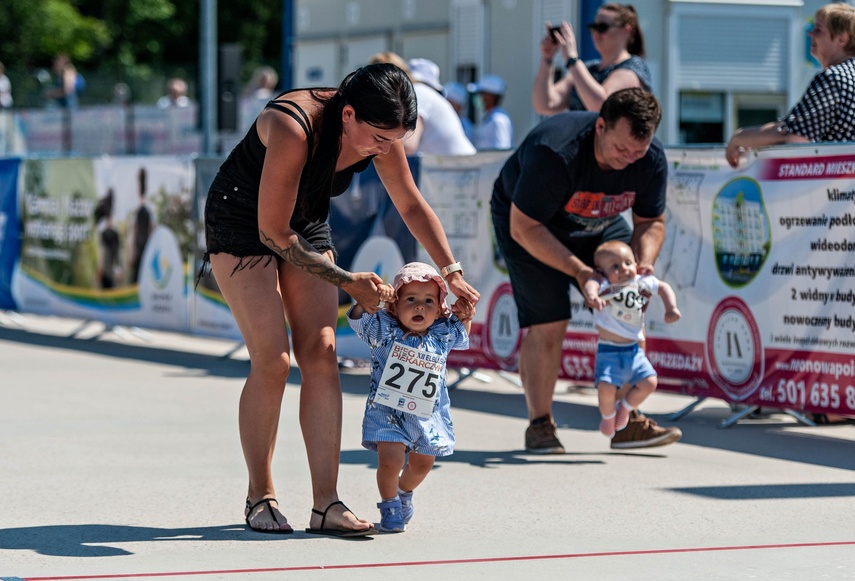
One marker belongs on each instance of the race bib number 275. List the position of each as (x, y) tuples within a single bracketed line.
[(410, 381)]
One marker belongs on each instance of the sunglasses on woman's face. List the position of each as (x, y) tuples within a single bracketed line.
[(601, 27)]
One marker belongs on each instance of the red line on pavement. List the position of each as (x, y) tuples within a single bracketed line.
[(447, 561)]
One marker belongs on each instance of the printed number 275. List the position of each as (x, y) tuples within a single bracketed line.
[(400, 370)]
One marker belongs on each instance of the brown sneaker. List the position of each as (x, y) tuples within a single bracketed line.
[(642, 432), (540, 437)]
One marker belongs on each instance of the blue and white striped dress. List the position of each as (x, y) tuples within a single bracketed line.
[(432, 436)]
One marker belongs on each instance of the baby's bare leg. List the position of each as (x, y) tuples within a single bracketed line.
[(606, 400), (390, 460), (417, 468), (641, 391), (606, 393)]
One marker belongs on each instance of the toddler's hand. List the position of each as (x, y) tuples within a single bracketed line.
[(673, 316), (463, 309), (387, 292)]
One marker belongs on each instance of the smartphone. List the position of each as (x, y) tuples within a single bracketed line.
[(555, 31)]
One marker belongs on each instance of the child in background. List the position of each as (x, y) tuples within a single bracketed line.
[(408, 412), (619, 320)]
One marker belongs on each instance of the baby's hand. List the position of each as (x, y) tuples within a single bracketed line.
[(387, 292), (673, 316), (595, 303), (590, 284), (463, 309)]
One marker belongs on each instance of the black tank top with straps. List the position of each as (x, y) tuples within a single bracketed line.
[(243, 166)]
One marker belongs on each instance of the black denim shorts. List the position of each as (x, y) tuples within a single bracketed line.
[(231, 226), (541, 293)]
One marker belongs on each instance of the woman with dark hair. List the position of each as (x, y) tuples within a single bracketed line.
[(269, 246), (586, 85)]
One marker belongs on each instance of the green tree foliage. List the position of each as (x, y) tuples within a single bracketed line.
[(33, 31), (143, 31), (257, 26), (132, 38)]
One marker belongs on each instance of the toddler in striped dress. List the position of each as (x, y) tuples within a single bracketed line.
[(408, 413)]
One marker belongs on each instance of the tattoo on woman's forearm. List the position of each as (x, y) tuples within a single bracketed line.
[(305, 257)]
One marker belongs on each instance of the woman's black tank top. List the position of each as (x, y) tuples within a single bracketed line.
[(243, 166)]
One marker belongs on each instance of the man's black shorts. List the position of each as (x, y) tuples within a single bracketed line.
[(541, 293)]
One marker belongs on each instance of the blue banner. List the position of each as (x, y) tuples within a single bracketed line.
[(10, 243)]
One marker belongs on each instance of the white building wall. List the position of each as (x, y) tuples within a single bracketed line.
[(508, 53), (360, 28)]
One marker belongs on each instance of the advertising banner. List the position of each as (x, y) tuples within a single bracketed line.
[(775, 284), (209, 313), (458, 189), (761, 260), (107, 239), (10, 244)]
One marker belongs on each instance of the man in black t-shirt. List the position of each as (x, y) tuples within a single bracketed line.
[(556, 199)]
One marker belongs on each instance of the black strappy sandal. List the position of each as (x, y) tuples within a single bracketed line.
[(336, 532), (266, 501)]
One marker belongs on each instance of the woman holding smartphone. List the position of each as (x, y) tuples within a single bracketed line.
[(585, 85)]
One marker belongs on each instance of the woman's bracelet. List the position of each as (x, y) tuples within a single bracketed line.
[(549, 61)]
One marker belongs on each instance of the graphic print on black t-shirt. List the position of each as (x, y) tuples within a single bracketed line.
[(591, 210)]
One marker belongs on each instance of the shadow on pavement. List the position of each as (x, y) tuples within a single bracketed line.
[(99, 540), (201, 364), (769, 439), (89, 540), (475, 458), (771, 491)]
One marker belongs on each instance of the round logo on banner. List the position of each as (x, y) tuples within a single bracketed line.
[(734, 352), (162, 289), (379, 254), (503, 327)]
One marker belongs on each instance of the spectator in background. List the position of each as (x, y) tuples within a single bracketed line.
[(5, 89), (496, 130), (438, 130), (458, 96), (826, 111), (121, 94), (67, 83), (262, 85), (392, 59), (260, 90), (617, 37), (176, 94)]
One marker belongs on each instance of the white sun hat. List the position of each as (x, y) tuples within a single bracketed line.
[(426, 71)]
